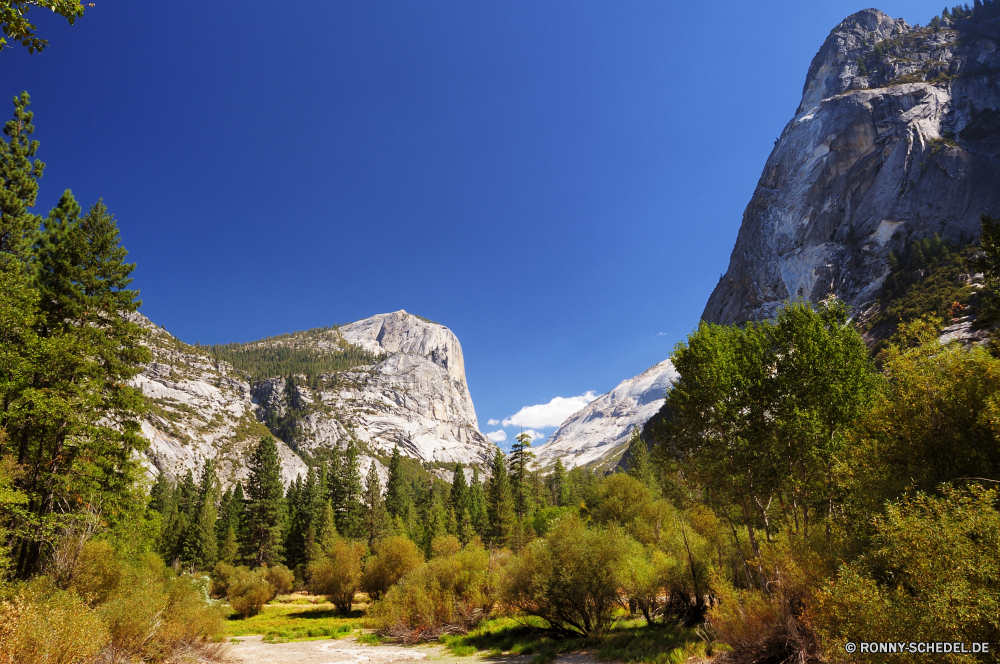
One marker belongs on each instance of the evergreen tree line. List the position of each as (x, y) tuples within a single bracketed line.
[(981, 10), (261, 523), (262, 360)]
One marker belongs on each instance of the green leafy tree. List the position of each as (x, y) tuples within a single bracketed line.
[(376, 517), (761, 413), (19, 30), (266, 508), (500, 503)]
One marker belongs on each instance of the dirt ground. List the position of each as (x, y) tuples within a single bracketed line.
[(252, 650)]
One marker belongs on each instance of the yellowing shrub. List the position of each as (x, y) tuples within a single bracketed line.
[(450, 593), (43, 625), (394, 558), (336, 573)]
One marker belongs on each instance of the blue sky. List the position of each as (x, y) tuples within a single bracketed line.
[(560, 183)]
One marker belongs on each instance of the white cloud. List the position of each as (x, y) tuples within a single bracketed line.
[(550, 414), (492, 423), (536, 435), (497, 436)]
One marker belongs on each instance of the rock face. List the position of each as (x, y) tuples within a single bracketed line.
[(415, 396), (200, 409), (599, 433), (897, 138)]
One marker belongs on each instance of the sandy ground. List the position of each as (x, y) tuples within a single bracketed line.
[(252, 650)]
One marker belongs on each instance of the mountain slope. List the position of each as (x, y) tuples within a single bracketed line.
[(404, 384), (897, 137), (599, 433)]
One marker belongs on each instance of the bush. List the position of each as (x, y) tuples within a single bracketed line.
[(932, 575), (449, 594), (42, 624), (248, 591), (281, 579), (336, 573), (573, 578), (394, 558)]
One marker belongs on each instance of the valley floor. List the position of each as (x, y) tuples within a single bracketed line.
[(253, 650)]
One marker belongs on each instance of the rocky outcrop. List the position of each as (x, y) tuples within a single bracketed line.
[(897, 137), (200, 409), (598, 434), (416, 397)]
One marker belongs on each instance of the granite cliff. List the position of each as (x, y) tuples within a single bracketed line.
[(412, 394), (897, 137)]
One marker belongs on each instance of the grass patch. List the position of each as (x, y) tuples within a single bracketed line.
[(630, 642), (370, 639), (294, 621)]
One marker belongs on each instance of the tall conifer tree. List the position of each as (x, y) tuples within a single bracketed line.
[(266, 509), (18, 184), (376, 517), (477, 505), (350, 518), (500, 503), (200, 542)]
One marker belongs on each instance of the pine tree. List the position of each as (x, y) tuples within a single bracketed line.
[(225, 529), (459, 506), (520, 457), (200, 542), (559, 486), (376, 517), (296, 522), (478, 518), (162, 493), (398, 502), (500, 503), (640, 467), (350, 515), (88, 443), (432, 516), (266, 509), (18, 184)]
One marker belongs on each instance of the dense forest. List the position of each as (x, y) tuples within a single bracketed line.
[(804, 492)]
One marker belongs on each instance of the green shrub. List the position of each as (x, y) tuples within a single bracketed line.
[(336, 573), (394, 558), (573, 579), (248, 591), (932, 575), (449, 593), (280, 578)]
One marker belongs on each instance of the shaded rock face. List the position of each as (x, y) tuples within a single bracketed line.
[(897, 137), (599, 432), (416, 398)]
